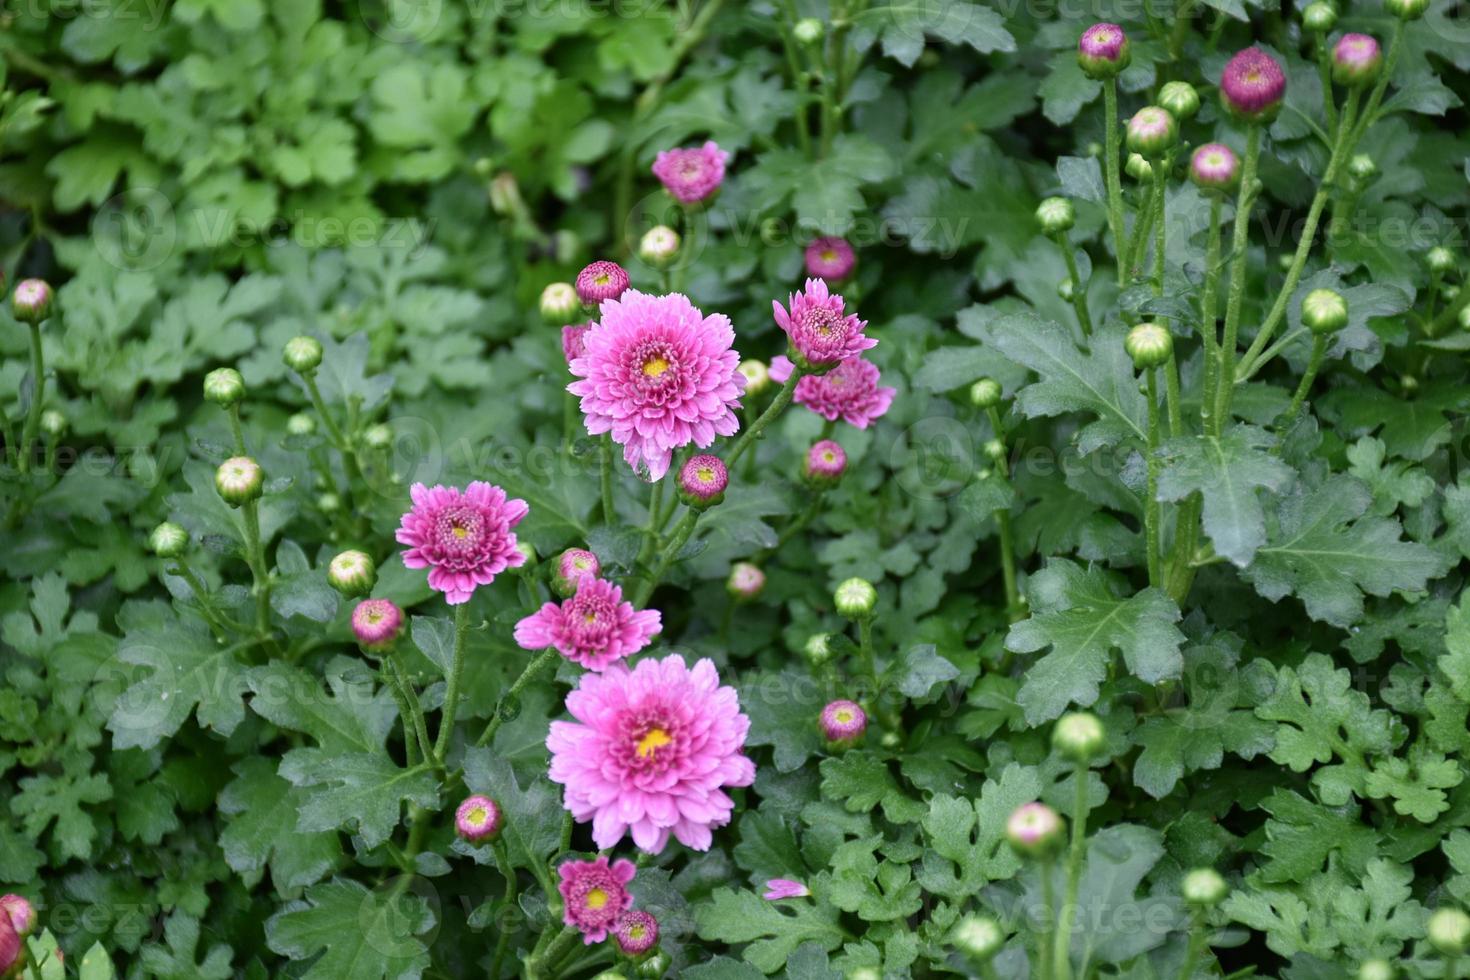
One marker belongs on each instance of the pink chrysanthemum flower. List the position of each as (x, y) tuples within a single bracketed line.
[(830, 258), (820, 331), (691, 174), (843, 722), (636, 932), (17, 908), (572, 566), (573, 340), (1252, 85), (746, 581), (702, 480), (826, 461), (1214, 166), (849, 391), (779, 888), (464, 539), (477, 818), (376, 623), (1356, 59), (658, 374), (601, 281), (594, 628), (595, 895), (651, 751)]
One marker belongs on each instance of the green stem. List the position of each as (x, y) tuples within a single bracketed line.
[(1151, 504), (502, 858), (1172, 398), (451, 691), (1074, 876), (1111, 173), (1324, 74), (607, 480), (255, 547), (650, 534), (1044, 943), (798, 77), (865, 648), (1198, 934), (777, 406), (553, 953), (38, 394), (1161, 174), (1137, 246), (536, 666), (235, 430), (1375, 98), (1319, 349), (680, 535), (334, 432), (1003, 524), (1079, 288), (1340, 151), (410, 741), (416, 712), (1240, 240)]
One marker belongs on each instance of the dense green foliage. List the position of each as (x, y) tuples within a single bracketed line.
[(1284, 678)]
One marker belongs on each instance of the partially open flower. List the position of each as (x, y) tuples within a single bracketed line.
[(601, 281), (692, 175), (477, 819), (636, 933), (377, 623), (1356, 60), (843, 724), (1103, 51), (778, 889), (465, 539), (702, 481), (17, 908), (595, 895), (746, 581), (239, 480), (574, 340), (831, 259), (572, 566), (825, 463), (594, 628), (821, 332), (1214, 167), (1252, 86)]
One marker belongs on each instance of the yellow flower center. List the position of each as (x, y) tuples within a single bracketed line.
[(655, 366), (656, 739), (460, 532), (705, 474), (828, 255), (843, 715), (596, 898), (829, 456), (476, 816)]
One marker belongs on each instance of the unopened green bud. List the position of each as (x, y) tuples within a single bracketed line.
[(1056, 215), (53, 424), (1449, 292), (1204, 888), (168, 540), (1319, 18), (1138, 168), (328, 502), (1449, 931), (1035, 830), (353, 574), (1376, 970), (978, 937), (659, 246), (994, 449), (757, 376), (559, 304), (986, 393), (1406, 9), (505, 195), (224, 387), (378, 436), (1151, 131), (1078, 736), (818, 649), (528, 552), (1440, 259), (302, 354), (239, 480), (300, 424), (1465, 318), (31, 301), (1362, 168), (1150, 345), (1324, 311), (1067, 289), (855, 598), (1180, 98), (808, 30)]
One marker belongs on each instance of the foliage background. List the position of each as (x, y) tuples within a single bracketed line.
[(208, 178)]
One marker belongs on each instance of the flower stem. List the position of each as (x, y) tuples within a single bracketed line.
[(255, 551), (1319, 350), (655, 512), (334, 432), (607, 481), (1173, 400), (536, 666), (1044, 943), (415, 714), (1161, 176), (1198, 933), (553, 953), (1240, 240), (798, 77), (1207, 311), (1151, 504), (777, 406), (1067, 914), (451, 691), (1003, 525), (235, 430), (679, 537), (38, 393), (865, 648), (1079, 288), (502, 858), (1110, 167)]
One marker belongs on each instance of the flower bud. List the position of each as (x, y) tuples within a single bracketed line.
[(855, 598), (659, 246), (53, 424), (1465, 318), (302, 354), (808, 30), (301, 424), (1376, 970), (986, 393), (1356, 60), (1449, 292), (829, 258), (1449, 931), (31, 301), (528, 552), (505, 194), (353, 574), (745, 582), (1408, 384), (1138, 168), (168, 540), (702, 481), (757, 376), (328, 503), (1078, 736), (636, 933), (239, 480), (1324, 311), (572, 566), (1406, 9), (843, 724), (1181, 99), (1035, 830), (1067, 289), (478, 819), (1150, 345), (1319, 17), (978, 938), (864, 973), (656, 965), (17, 908), (1151, 131), (1204, 888), (376, 623), (825, 463), (1103, 51), (224, 387), (1252, 86), (559, 304), (994, 449), (1440, 259), (818, 649), (1214, 167), (378, 436), (1056, 215), (1362, 168), (602, 280)]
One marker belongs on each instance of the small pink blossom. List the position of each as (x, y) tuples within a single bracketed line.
[(703, 479), (658, 374), (1252, 84), (20, 912), (779, 888), (600, 281), (651, 751), (636, 932), (594, 628), (595, 895), (820, 330), (572, 566), (849, 391), (477, 818), (573, 340), (376, 623), (464, 539), (830, 258), (843, 722), (692, 174), (825, 462)]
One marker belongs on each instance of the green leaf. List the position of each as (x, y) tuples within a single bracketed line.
[(96, 964), (178, 960), (919, 670), (1118, 858), (1228, 473), (860, 780), (356, 790), (360, 934), (1079, 614), (1416, 784), (262, 830), (189, 673), (966, 838), (533, 813), (903, 25), (773, 930), (1322, 548)]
